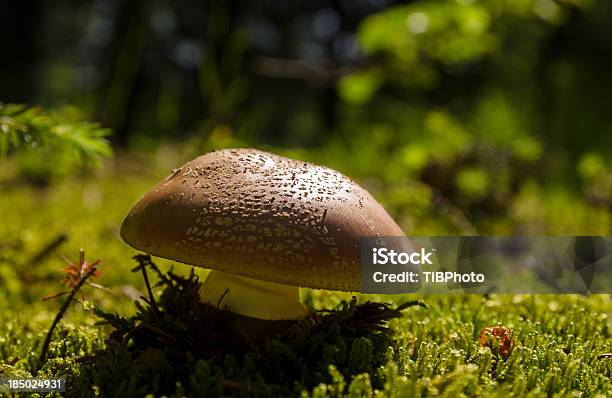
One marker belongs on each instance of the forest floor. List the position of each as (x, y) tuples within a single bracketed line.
[(559, 341)]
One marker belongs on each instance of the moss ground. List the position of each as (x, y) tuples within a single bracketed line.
[(558, 340)]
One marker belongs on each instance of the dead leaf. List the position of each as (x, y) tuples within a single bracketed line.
[(503, 336)]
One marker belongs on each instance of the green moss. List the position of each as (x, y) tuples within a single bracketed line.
[(558, 338), (177, 345)]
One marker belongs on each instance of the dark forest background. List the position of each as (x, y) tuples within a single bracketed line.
[(467, 104)]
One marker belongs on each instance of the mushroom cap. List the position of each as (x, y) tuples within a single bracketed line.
[(260, 215)]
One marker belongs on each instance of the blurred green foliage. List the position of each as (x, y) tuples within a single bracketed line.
[(50, 144), (22, 126), (465, 105)]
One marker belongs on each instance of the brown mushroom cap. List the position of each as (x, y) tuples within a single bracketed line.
[(262, 216)]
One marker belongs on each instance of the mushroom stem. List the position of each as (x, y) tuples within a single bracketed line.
[(252, 297)]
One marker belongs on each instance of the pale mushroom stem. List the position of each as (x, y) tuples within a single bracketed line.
[(252, 297)]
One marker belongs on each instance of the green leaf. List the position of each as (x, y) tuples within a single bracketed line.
[(358, 88)]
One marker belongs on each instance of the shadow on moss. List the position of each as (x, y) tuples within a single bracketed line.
[(180, 346)]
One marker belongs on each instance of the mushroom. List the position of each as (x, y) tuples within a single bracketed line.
[(265, 224)]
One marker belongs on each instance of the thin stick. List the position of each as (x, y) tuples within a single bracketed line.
[(225, 293), (50, 247), (58, 317), (146, 279)]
